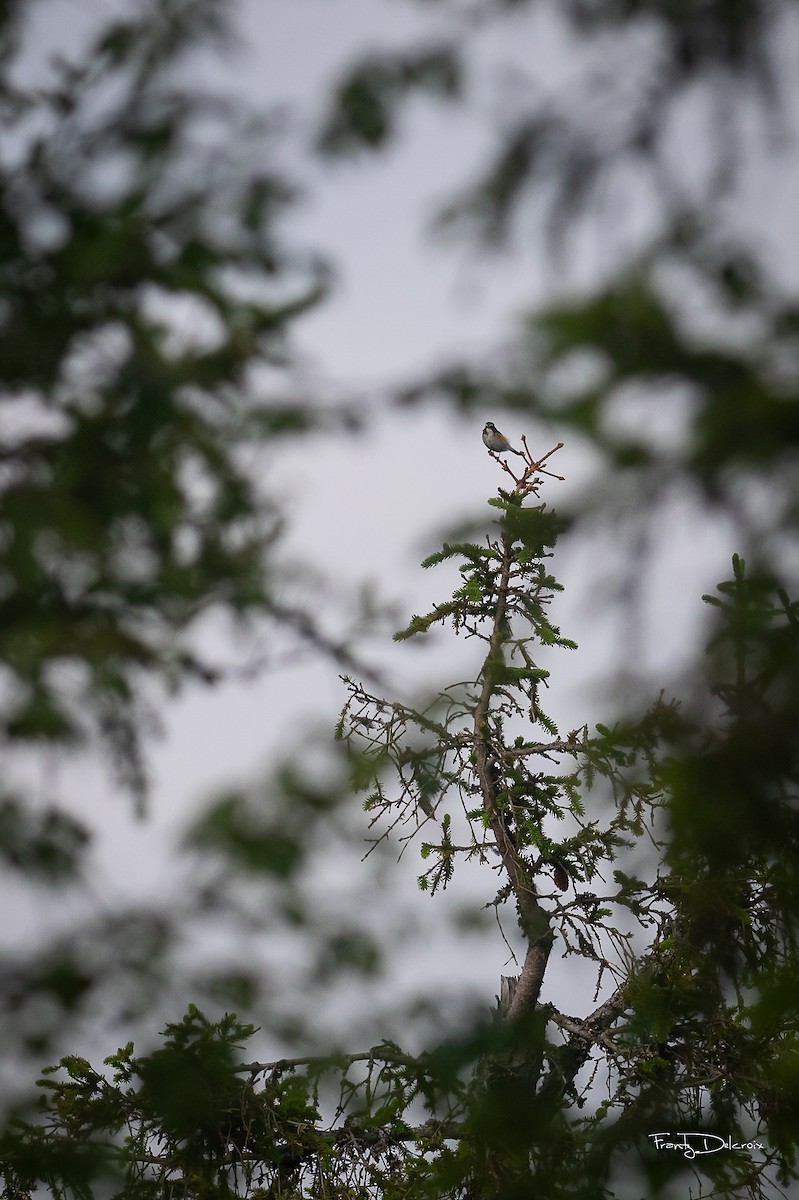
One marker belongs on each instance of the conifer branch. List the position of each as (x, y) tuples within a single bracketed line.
[(533, 918)]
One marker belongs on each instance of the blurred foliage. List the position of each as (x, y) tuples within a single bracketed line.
[(364, 109), (683, 377), (125, 509), (47, 845), (693, 945), (691, 810), (143, 280), (191, 1118)]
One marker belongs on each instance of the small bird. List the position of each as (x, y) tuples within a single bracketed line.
[(497, 441)]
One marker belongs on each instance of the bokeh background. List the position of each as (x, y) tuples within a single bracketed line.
[(363, 501)]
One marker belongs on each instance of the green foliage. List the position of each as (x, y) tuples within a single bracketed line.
[(680, 1044), (659, 849), (124, 510), (144, 278), (191, 1118), (48, 846), (252, 840), (190, 1088), (503, 1109), (364, 107)]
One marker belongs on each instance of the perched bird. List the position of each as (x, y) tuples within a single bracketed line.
[(497, 441)]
